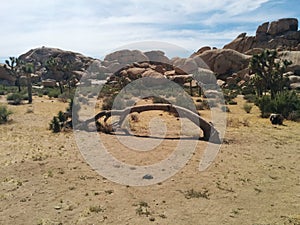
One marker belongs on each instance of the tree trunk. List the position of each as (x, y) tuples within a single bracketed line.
[(18, 84), (60, 87), (210, 133)]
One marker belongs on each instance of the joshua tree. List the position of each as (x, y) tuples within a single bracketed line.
[(269, 72), (28, 69), (11, 65), (55, 66), (52, 65)]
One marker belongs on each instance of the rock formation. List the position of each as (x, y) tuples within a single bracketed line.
[(5, 77), (229, 65), (224, 62), (40, 56), (282, 34)]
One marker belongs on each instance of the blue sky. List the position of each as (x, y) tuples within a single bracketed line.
[(97, 27)]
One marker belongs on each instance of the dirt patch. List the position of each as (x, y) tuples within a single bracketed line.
[(45, 180)]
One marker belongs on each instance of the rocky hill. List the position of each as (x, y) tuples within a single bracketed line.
[(229, 65), (39, 57)]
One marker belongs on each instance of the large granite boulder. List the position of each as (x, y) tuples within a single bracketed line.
[(157, 56), (283, 25), (224, 62), (282, 34), (294, 57), (185, 65), (5, 77), (126, 56)]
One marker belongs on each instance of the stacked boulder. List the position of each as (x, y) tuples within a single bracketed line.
[(282, 34)]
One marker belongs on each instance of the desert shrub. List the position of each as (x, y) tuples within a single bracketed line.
[(294, 116), (284, 103), (55, 125), (25, 97), (61, 117), (251, 98), (265, 105), (248, 90), (15, 98), (45, 92), (247, 107), (54, 93), (231, 102), (4, 114), (229, 94), (2, 92)]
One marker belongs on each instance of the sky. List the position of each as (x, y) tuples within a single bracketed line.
[(98, 27)]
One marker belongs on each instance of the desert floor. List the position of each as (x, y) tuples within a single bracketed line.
[(44, 179)]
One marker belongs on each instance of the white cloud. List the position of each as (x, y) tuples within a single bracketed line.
[(96, 27)]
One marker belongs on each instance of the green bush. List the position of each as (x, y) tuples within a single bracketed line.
[(54, 93), (266, 105), (248, 90), (229, 94), (55, 125), (15, 98), (231, 102), (247, 107), (294, 115), (4, 114), (64, 97), (61, 117), (251, 98), (284, 103), (25, 97)]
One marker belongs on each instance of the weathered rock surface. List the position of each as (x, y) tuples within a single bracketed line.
[(125, 57), (224, 62), (282, 34), (5, 77), (294, 57), (157, 56), (39, 57)]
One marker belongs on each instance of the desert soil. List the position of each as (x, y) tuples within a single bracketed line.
[(44, 179)]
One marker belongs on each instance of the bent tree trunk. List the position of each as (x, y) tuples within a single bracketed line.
[(210, 133)]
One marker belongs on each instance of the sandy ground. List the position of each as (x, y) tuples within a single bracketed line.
[(44, 179)]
